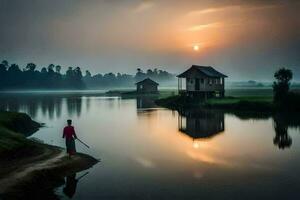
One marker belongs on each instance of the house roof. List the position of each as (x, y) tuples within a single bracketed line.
[(206, 70), (147, 81)]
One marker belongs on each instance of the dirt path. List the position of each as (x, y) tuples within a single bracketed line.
[(52, 158)]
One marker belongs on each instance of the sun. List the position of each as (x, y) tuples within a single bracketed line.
[(196, 48)]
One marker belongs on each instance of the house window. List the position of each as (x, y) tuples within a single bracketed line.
[(202, 80), (210, 81), (141, 86), (221, 81)]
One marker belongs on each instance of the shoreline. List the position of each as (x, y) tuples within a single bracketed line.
[(259, 104), (25, 162)]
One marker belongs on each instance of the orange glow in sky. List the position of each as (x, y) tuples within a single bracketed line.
[(196, 48), (231, 35)]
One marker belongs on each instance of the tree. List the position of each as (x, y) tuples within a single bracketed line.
[(149, 72), (2, 69), (57, 69), (51, 69), (30, 67), (14, 68), (44, 70), (139, 75), (5, 63), (282, 84), (78, 73), (88, 74), (69, 75)]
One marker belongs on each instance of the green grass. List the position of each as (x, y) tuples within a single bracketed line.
[(163, 93), (244, 103), (232, 100), (13, 128), (10, 141)]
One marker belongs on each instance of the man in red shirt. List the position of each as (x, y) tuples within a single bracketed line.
[(70, 135)]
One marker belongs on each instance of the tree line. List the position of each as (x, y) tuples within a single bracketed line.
[(12, 76), (127, 80)]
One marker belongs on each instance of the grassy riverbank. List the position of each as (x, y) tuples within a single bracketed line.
[(163, 93), (13, 129), (242, 103), (25, 163), (246, 103)]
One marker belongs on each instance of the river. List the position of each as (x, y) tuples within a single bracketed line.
[(154, 153)]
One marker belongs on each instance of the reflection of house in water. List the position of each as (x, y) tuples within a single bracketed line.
[(201, 123), (145, 102)]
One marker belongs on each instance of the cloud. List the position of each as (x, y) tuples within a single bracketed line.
[(204, 26), (117, 36), (231, 8), (143, 6)]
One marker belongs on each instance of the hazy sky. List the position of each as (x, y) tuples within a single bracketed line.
[(243, 39)]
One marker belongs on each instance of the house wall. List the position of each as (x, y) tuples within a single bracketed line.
[(206, 84), (144, 88)]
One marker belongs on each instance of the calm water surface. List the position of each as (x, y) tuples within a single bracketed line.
[(154, 153)]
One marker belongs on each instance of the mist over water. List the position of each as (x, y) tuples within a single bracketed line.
[(149, 152)]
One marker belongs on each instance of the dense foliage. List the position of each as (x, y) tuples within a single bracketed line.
[(13, 77), (109, 80), (282, 84)]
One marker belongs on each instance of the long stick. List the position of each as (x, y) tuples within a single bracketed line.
[(83, 143), (82, 176)]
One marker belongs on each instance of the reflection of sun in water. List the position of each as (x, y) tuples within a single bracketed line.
[(196, 145), (196, 47)]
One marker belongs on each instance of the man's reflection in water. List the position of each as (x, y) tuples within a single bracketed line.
[(70, 186)]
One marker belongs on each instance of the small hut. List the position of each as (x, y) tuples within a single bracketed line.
[(147, 86), (201, 81)]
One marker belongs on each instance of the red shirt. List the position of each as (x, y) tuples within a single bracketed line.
[(69, 132)]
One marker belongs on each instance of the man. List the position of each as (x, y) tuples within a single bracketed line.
[(70, 135)]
